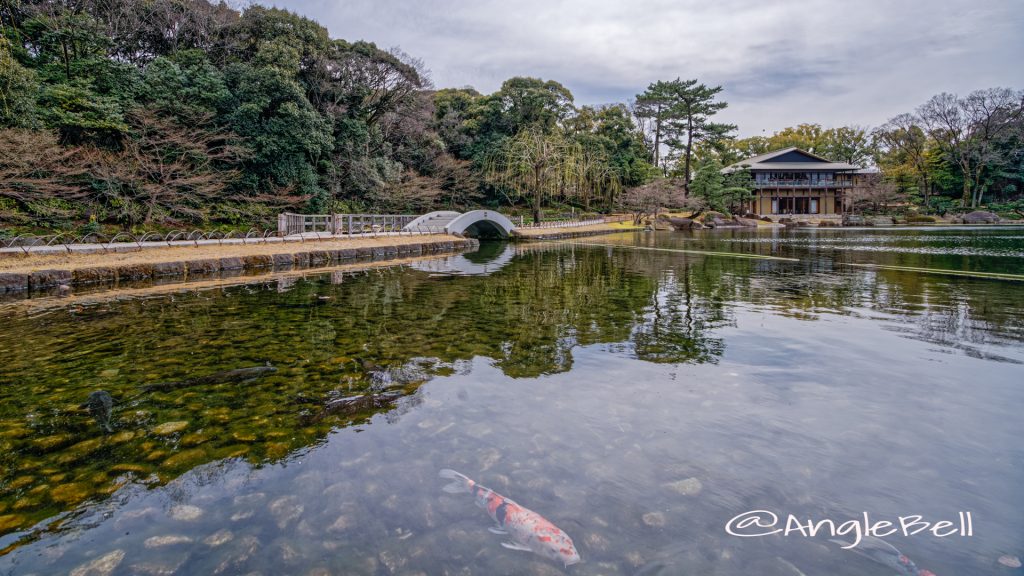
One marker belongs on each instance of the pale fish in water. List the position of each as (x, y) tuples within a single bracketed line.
[(526, 529)]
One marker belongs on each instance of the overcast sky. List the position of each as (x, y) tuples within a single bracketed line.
[(781, 62)]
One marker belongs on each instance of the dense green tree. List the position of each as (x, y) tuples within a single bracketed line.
[(654, 108), (532, 103), (455, 119), (623, 143), (681, 111), (721, 191), (81, 115), (849, 144), (18, 90), (286, 136), (275, 36), (184, 83)]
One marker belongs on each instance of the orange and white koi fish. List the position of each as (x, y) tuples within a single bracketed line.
[(527, 530)]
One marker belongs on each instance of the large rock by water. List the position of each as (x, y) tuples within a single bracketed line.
[(979, 217), (681, 223)]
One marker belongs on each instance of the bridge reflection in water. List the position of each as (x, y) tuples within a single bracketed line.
[(491, 257)]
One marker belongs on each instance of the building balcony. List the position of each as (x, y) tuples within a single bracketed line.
[(802, 184)]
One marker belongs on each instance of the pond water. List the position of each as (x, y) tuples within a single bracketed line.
[(633, 389)]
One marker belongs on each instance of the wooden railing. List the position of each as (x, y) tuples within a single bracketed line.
[(802, 183), (289, 224), (370, 223), (574, 223)]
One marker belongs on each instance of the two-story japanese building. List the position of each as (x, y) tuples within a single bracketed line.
[(793, 181)]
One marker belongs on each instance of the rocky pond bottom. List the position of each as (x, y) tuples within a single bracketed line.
[(639, 399)]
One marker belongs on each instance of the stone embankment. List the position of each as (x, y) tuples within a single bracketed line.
[(45, 273), (573, 232)]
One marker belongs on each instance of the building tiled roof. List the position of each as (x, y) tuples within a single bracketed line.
[(764, 162), (791, 166)]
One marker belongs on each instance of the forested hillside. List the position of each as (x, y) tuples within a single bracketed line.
[(166, 111), (155, 113)]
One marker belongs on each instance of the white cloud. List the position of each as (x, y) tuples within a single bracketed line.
[(781, 62)]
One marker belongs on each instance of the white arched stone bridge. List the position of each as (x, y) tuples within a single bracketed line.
[(476, 223)]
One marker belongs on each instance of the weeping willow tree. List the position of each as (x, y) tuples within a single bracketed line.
[(537, 166), (595, 178)]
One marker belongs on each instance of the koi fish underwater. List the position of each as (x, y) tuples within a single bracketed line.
[(527, 530)]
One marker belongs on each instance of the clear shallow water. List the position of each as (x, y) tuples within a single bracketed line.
[(638, 399)]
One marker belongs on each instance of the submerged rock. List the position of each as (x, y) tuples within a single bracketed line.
[(169, 540), (285, 510), (122, 437), (11, 521), (251, 499), (219, 538), (133, 468), (596, 542), (1010, 561), (168, 428), (393, 562), (70, 493), (186, 512), (20, 482), (240, 553), (157, 569), (244, 436), (687, 487), (654, 519), (488, 458), (242, 515), (286, 553), (195, 439), (343, 523), (49, 443), (186, 459), (102, 566), (80, 451)]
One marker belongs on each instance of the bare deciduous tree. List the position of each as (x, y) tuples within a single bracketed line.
[(647, 201), (969, 129), (875, 194), (34, 167), (533, 165), (904, 136)]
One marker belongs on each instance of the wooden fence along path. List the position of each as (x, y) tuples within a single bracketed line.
[(574, 223), (289, 224)]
